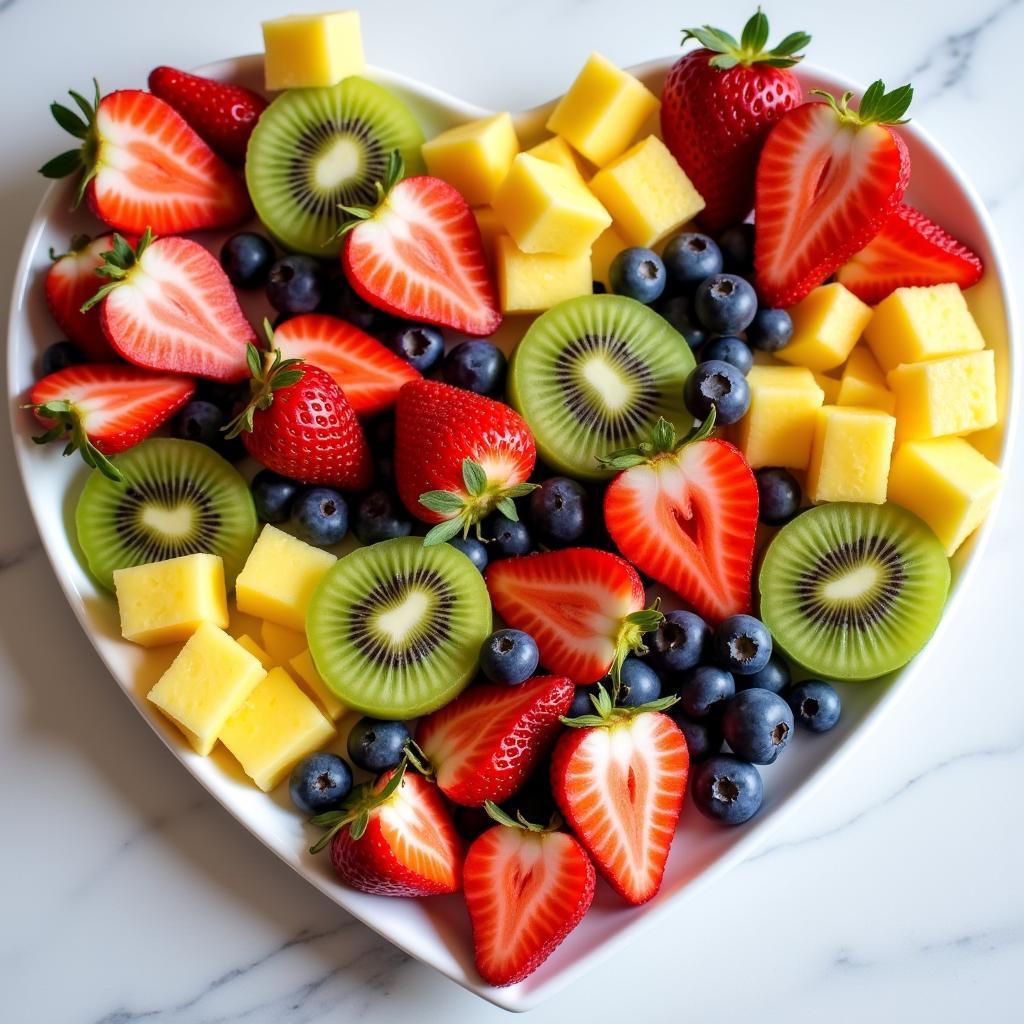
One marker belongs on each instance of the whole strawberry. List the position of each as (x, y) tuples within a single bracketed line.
[(717, 106)]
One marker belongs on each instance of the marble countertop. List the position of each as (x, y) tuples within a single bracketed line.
[(127, 895)]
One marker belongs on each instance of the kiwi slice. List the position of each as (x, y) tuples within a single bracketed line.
[(395, 628), (314, 150), (176, 498), (593, 375), (853, 591)]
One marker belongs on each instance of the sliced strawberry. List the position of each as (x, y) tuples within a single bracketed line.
[(909, 250), (487, 741), (71, 282), (829, 177), (369, 374)]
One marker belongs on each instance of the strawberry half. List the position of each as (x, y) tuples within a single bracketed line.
[(370, 374), (70, 283), (485, 743), (828, 179), (909, 250), (584, 607), (685, 513), (105, 408), (141, 166), (526, 889)]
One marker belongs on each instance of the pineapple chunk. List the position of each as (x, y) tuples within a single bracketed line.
[(830, 386), (309, 50), (281, 643), (533, 282), (247, 643), (490, 230), (827, 323), (778, 429), (647, 193), (915, 324), (946, 482), (955, 395), (863, 383), (605, 249), (279, 578), (474, 157), (602, 111), (274, 728), (557, 151), (312, 682), (205, 684), (851, 454), (165, 602)]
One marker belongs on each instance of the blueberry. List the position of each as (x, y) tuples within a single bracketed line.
[(815, 704), (778, 495), (320, 783), (719, 386), (640, 684), (598, 288), (228, 396), (59, 356), (774, 676), (381, 516), (726, 789), (725, 304), (509, 656), (737, 247), (728, 349), (341, 301), (770, 330), (757, 725), (247, 259), (703, 738), (199, 421), (474, 550), (559, 511), (273, 496), (295, 284), (706, 691), (691, 258), (581, 702), (678, 311), (420, 345), (475, 366), (680, 642), (509, 538), (743, 644), (638, 274), (376, 745), (320, 516)]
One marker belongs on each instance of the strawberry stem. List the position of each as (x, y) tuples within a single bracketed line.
[(750, 50), (876, 106), (68, 420), (497, 814)]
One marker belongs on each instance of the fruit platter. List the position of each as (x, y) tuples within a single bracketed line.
[(509, 516)]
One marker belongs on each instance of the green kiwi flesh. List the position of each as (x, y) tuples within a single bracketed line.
[(176, 498), (593, 375), (314, 150), (395, 629), (853, 591)]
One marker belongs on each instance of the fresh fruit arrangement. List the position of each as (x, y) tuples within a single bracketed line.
[(517, 593)]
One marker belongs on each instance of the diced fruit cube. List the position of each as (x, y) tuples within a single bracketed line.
[(602, 111), (490, 231), (830, 386), (608, 245), (778, 429), (827, 323), (205, 684), (255, 650), (165, 602), (533, 282), (946, 482), (915, 324), (312, 682), (647, 193), (557, 151), (863, 383), (305, 50), (546, 208), (280, 642), (955, 395), (279, 578), (274, 728), (474, 157), (851, 455)]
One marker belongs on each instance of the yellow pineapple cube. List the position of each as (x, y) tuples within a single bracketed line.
[(474, 157), (304, 50), (603, 110), (955, 395), (279, 578), (490, 231), (863, 383), (557, 151), (247, 643), (165, 602), (915, 324), (606, 248), (851, 454), (827, 323), (312, 682), (946, 482), (205, 684), (533, 282), (280, 642), (830, 386), (274, 728), (778, 429)]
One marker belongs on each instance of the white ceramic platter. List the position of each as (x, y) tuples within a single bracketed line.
[(436, 931)]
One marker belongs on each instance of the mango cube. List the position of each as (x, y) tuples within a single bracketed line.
[(280, 642), (830, 386), (603, 110), (205, 684), (312, 682), (863, 383), (247, 643), (827, 323), (851, 455), (647, 193), (274, 728), (279, 578), (955, 395), (557, 151), (915, 324), (310, 50), (474, 157), (533, 282), (608, 245), (165, 602), (778, 429), (946, 482), (490, 230)]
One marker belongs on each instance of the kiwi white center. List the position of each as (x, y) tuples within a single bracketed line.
[(607, 382), (338, 163), (403, 618), (171, 521), (853, 584)]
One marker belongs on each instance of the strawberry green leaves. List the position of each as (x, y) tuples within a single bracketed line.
[(84, 158), (663, 442), (750, 49), (117, 264), (607, 712), (266, 379), (68, 420), (357, 809), (876, 106)]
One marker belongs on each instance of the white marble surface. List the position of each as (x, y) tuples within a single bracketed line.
[(126, 895)]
